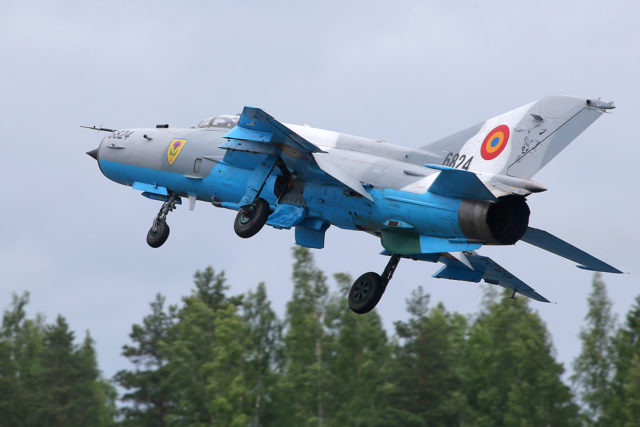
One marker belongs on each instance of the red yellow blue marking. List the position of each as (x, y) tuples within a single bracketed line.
[(495, 142)]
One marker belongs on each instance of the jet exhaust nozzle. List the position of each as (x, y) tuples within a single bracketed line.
[(503, 222), (93, 153)]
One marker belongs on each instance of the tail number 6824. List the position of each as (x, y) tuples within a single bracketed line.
[(458, 161)]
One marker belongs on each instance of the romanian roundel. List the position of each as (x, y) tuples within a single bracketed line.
[(495, 142)]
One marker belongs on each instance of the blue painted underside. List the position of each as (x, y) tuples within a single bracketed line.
[(286, 215), (310, 238), (453, 273), (428, 214), (148, 188), (431, 245)]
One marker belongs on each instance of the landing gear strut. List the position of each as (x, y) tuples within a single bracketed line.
[(367, 290), (159, 231)]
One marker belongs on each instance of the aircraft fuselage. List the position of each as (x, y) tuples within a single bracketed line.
[(139, 158)]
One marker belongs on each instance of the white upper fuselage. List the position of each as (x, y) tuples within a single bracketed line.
[(374, 162)]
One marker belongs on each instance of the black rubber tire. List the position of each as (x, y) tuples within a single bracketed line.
[(155, 239), (252, 219), (365, 292)]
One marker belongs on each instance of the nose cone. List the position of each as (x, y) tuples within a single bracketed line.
[(93, 153)]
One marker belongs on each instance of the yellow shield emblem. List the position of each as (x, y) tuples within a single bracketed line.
[(174, 149)]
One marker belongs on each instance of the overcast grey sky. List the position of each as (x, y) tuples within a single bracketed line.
[(410, 72)]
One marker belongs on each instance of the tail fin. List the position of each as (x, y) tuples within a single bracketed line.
[(520, 142)]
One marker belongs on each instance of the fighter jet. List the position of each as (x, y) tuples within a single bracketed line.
[(437, 203)]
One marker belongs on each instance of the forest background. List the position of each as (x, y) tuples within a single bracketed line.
[(222, 359)]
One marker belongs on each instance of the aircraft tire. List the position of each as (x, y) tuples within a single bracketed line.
[(365, 292), (247, 224), (157, 238)]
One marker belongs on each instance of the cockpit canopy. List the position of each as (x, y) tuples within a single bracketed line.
[(226, 121)]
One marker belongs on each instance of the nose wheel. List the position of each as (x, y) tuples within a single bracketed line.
[(159, 231), (366, 291), (158, 234)]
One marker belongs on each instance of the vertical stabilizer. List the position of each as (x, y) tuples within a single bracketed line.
[(520, 142)]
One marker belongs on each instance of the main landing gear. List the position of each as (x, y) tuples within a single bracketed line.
[(254, 210), (367, 290), (159, 231), (251, 218)]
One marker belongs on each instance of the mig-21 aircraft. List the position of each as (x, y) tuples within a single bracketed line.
[(437, 203)]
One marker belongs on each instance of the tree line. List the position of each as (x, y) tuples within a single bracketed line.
[(221, 359)]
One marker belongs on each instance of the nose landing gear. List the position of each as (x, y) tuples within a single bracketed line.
[(366, 291), (159, 231)]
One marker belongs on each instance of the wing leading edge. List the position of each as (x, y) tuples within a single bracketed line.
[(259, 133)]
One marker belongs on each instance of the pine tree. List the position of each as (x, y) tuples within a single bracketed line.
[(207, 366), (264, 354), (211, 289), (623, 406), (10, 387), (631, 400), (358, 364), (101, 396), (304, 384), (228, 390), (190, 363), (20, 354), (47, 379), (511, 377), (427, 369), (207, 357), (593, 368), (149, 389), (69, 391)]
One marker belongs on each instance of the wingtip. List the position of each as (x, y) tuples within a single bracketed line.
[(536, 296), (607, 269), (600, 104)]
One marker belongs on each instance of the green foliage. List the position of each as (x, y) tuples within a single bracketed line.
[(67, 393), (217, 359), (623, 405), (593, 368), (149, 398), (511, 376), (20, 350), (206, 366), (427, 368), (264, 355), (357, 362), (211, 289), (191, 364), (304, 385), (45, 377)]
